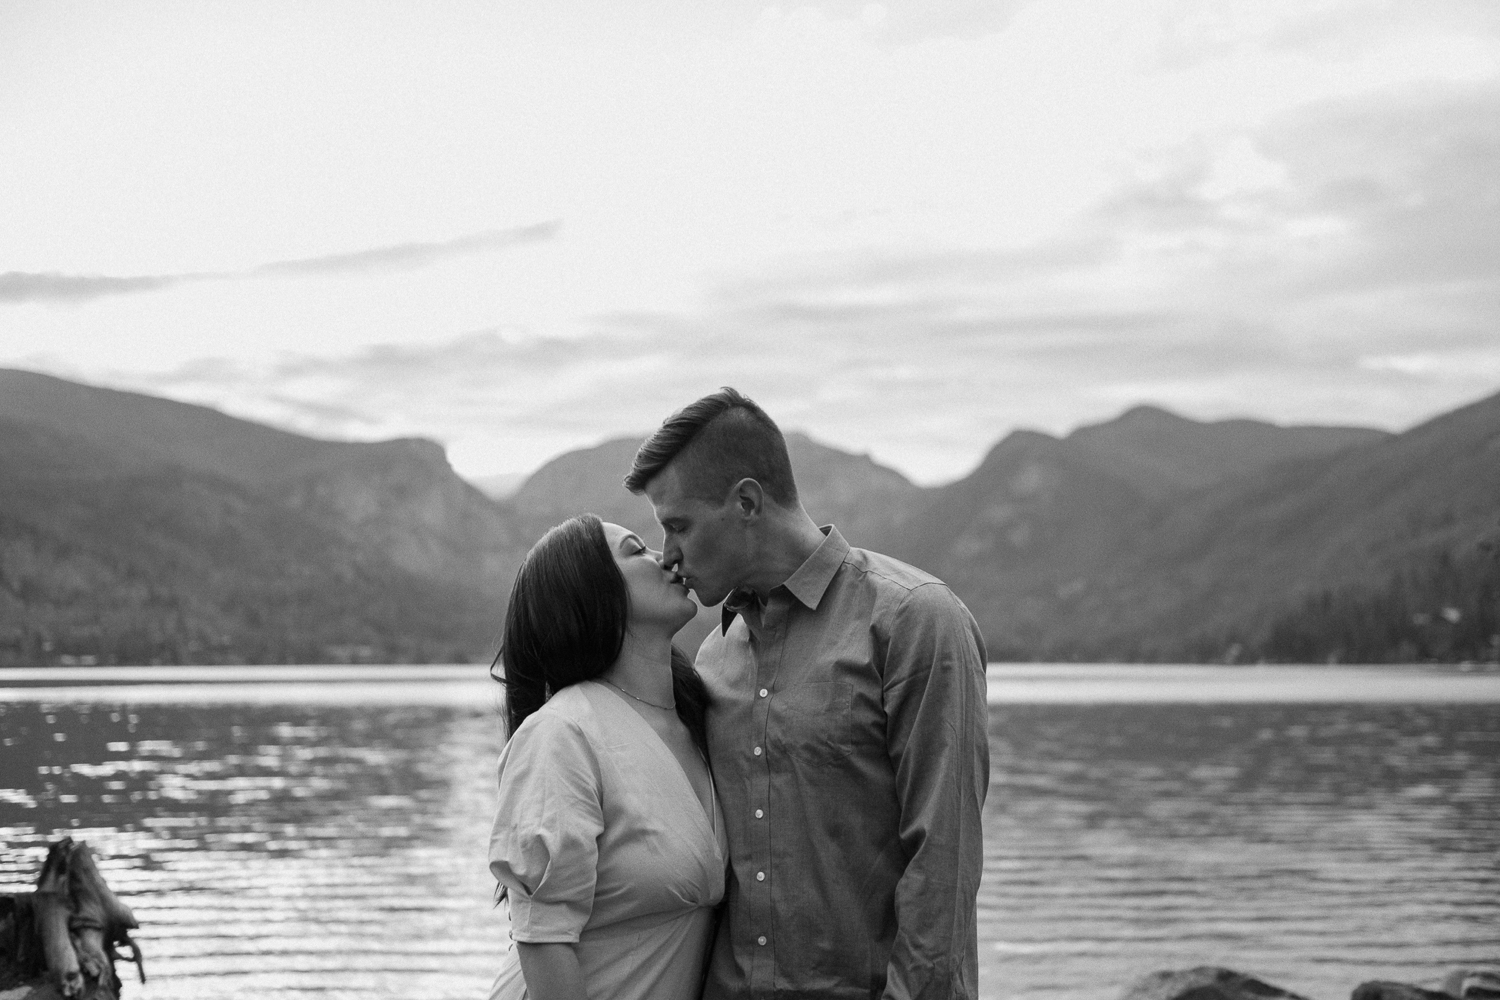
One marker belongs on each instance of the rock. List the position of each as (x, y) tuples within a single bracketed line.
[(1209, 982), (1379, 989), (1473, 984), (1460, 984), (1206, 982)]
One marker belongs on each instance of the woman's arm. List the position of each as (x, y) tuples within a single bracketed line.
[(551, 971)]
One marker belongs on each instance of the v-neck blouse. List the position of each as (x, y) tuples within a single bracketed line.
[(600, 840)]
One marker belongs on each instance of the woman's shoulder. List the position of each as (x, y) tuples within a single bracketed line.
[(570, 714), (575, 703)]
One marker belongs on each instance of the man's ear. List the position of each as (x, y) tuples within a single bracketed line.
[(749, 498)]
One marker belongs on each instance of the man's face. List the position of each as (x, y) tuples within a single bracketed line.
[(702, 540)]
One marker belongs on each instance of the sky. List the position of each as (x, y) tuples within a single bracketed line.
[(904, 228)]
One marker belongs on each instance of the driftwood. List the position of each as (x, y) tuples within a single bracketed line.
[(61, 939)]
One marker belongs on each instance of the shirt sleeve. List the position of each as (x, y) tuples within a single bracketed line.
[(544, 846), (936, 710)]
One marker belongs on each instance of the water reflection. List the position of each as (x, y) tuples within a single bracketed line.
[(338, 849), (1316, 846), (271, 851)]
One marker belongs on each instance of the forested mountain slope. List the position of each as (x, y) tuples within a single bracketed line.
[(136, 529)]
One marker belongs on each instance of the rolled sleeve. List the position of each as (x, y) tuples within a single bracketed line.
[(544, 844), (936, 736)]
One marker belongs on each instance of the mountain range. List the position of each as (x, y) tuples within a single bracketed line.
[(140, 529)]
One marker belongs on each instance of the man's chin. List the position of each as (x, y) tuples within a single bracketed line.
[(709, 598)]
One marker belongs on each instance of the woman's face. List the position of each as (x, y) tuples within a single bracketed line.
[(657, 595)]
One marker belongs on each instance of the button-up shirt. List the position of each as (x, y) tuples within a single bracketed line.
[(847, 734)]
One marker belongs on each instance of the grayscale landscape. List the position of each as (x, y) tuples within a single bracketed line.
[(1165, 332)]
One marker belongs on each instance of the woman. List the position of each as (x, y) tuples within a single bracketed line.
[(608, 840)]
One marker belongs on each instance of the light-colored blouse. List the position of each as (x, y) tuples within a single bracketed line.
[(600, 840)]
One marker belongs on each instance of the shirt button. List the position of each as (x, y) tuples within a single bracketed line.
[(761, 939), (760, 814), (760, 876), (757, 751), (764, 692)]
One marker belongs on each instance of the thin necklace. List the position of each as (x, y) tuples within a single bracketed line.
[(643, 701)]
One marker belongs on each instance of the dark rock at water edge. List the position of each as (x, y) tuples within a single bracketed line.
[(1473, 984), (1460, 984), (1379, 989), (1207, 982)]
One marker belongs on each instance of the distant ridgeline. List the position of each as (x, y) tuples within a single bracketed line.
[(137, 530)]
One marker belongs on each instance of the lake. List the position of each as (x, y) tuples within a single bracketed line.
[(300, 832)]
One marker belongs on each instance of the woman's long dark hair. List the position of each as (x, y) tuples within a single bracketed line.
[(566, 622)]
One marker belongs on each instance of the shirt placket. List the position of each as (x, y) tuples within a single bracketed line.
[(769, 643)]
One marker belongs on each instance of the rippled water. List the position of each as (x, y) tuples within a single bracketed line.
[(279, 839), (1316, 846)]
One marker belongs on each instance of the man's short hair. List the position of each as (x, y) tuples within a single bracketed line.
[(722, 438)]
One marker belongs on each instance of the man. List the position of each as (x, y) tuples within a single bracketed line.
[(846, 732)]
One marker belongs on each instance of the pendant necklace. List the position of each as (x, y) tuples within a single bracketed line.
[(643, 701)]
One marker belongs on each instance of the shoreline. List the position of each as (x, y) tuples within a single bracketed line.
[(1007, 684)]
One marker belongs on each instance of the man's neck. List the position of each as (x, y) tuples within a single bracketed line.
[(790, 538)]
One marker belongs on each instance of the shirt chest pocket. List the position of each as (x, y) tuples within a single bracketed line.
[(814, 723)]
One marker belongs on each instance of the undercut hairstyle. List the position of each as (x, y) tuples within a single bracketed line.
[(717, 441), (565, 623)]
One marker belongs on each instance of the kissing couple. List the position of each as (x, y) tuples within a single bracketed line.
[(797, 814)]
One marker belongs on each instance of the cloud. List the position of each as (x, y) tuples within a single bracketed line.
[(23, 286), (927, 388), (1336, 265), (907, 21), (406, 256), (1417, 181), (1347, 195), (501, 399), (1032, 218), (49, 286)]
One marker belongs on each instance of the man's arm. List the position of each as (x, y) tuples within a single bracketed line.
[(936, 733)]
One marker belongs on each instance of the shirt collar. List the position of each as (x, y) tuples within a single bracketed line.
[(808, 584)]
